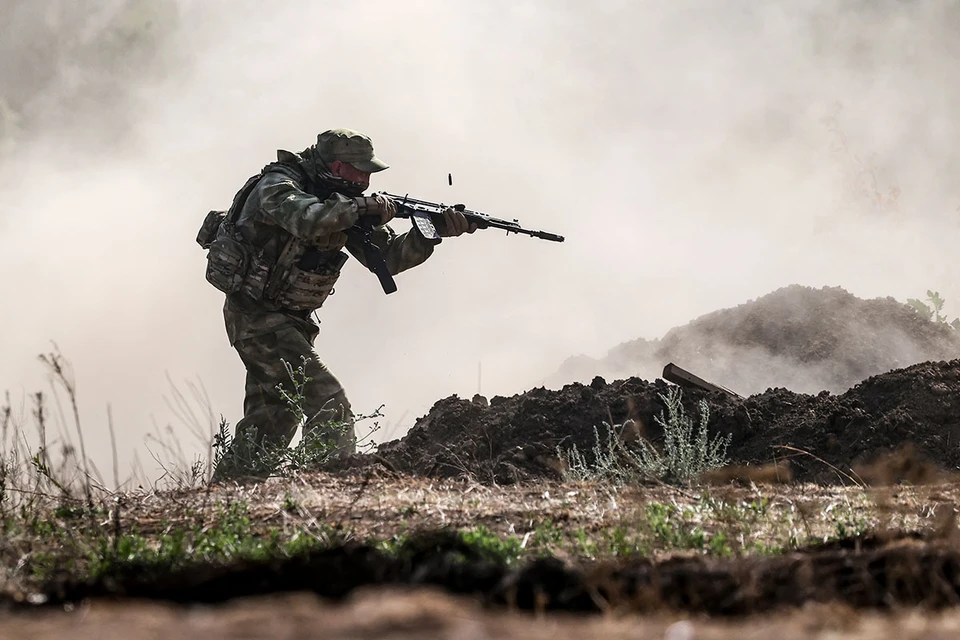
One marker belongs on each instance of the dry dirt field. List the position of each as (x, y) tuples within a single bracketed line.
[(804, 561), (835, 515)]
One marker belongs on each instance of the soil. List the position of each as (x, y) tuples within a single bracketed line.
[(799, 338), (869, 572), (423, 614), (899, 421), (517, 438), (440, 588), (899, 374)]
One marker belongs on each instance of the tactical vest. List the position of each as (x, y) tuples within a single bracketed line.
[(300, 277)]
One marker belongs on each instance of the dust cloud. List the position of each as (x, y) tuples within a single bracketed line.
[(694, 154)]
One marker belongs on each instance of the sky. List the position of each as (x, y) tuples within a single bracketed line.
[(695, 154)]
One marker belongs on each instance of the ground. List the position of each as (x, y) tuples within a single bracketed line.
[(429, 615), (834, 515), (517, 438), (808, 536)]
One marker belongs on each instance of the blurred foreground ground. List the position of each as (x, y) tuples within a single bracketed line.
[(426, 615)]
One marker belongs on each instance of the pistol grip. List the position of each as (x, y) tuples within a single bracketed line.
[(425, 226)]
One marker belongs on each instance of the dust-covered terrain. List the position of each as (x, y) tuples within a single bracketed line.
[(801, 338), (517, 438), (761, 185), (475, 501), (694, 158), (436, 556), (863, 571), (863, 344)]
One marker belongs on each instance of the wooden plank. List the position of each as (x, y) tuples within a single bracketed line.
[(682, 377)]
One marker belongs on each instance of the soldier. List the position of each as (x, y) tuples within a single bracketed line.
[(277, 253)]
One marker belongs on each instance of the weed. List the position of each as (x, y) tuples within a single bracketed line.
[(619, 543), (491, 546), (230, 539), (671, 530), (584, 546), (687, 453), (290, 504), (606, 463), (246, 455)]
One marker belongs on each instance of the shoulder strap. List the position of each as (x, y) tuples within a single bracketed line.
[(241, 197), (285, 164)]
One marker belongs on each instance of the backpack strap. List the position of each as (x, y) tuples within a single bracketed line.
[(286, 164), (240, 198)]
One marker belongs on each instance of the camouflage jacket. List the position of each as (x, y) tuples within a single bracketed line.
[(285, 202)]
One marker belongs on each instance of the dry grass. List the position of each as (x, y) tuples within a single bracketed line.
[(752, 519), (49, 525), (58, 535)]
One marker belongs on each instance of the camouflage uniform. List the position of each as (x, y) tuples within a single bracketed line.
[(294, 199)]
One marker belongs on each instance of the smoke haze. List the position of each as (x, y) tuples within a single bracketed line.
[(695, 155)]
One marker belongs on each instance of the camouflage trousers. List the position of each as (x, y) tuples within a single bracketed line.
[(322, 398)]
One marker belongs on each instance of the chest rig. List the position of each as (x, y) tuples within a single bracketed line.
[(286, 271)]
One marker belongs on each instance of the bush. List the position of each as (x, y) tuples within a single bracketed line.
[(688, 452), (243, 456)]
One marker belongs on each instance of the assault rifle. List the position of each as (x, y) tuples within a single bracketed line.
[(425, 216)]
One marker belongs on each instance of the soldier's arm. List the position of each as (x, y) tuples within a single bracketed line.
[(284, 204), (401, 252)]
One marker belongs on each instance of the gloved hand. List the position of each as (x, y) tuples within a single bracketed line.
[(330, 242), (454, 224), (380, 207)]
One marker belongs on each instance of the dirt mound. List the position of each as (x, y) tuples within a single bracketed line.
[(864, 572), (799, 338), (919, 406), (516, 438)]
